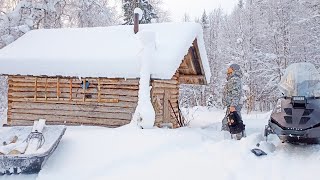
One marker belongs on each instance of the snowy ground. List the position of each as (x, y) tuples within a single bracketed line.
[(186, 153)]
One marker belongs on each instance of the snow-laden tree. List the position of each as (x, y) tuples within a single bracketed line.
[(204, 20), (263, 37), (35, 14), (28, 15), (162, 15), (186, 17), (148, 11), (89, 13)]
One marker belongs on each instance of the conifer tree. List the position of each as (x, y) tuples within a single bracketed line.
[(144, 5)]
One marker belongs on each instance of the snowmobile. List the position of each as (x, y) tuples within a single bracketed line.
[(296, 117)]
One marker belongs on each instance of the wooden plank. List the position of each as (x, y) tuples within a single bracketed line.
[(63, 80), (174, 82), (46, 88), (35, 89), (195, 44), (78, 114), (84, 90), (119, 104), (62, 119), (99, 90), (191, 76), (71, 107), (161, 90), (176, 76), (66, 100), (192, 79), (102, 122), (166, 110), (158, 119), (67, 95), (70, 98), (58, 88), (9, 110), (75, 85), (67, 90), (190, 62), (159, 85)]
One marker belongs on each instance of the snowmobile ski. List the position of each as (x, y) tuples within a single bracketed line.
[(258, 152)]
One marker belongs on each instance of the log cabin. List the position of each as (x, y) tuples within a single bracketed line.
[(90, 76)]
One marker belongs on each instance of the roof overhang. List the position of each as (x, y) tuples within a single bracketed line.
[(191, 69)]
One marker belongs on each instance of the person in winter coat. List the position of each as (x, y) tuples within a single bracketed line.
[(232, 95)]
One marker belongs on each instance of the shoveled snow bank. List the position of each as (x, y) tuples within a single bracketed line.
[(185, 153), (101, 52)]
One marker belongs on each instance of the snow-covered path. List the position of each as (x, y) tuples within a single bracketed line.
[(185, 153)]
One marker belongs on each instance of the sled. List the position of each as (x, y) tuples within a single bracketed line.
[(17, 162)]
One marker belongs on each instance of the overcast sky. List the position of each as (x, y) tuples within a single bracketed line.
[(194, 8)]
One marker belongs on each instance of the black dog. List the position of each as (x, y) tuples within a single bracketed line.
[(235, 123)]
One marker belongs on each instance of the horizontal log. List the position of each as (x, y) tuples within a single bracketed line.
[(57, 118), (161, 117), (74, 80), (71, 114), (123, 92), (119, 104), (174, 82), (74, 96), (167, 86), (70, 107), (74, 85), (106, 123), (191, 76), (192, 79), (161, 91), (63, 100), (172, 98)]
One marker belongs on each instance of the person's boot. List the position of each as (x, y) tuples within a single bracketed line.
[(240, 135)]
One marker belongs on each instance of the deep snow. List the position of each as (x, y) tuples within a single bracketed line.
[(184, 153)]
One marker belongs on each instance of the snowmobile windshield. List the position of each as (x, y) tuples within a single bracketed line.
[(301, 79)]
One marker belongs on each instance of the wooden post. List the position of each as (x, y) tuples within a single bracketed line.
[(58, 88), (166, 110), (70, 98), (35, 89), (45, 95), (99, 90), (84, 90)]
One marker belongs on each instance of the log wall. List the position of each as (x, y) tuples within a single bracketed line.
[(163, 91), (106, 102), (61, 100)]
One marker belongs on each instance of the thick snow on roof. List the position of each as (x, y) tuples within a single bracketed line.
[(101, 52)]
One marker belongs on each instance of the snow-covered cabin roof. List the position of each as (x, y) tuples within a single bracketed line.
[(113, 52)]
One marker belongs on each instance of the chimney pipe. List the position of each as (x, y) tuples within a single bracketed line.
[(136, 23)]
